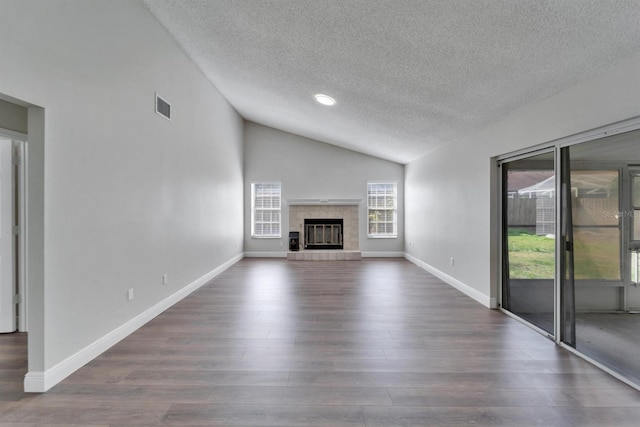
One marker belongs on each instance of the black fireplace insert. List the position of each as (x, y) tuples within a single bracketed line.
[(323, 233)]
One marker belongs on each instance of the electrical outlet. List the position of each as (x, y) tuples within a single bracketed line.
[(129, 294), (452, 261), (165, 279)]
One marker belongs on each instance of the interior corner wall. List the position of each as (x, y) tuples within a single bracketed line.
[(35, 239), (13, 117), (310, 169), (448, 193), (128, 195)]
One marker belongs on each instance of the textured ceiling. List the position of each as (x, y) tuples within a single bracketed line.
[(408, 76)]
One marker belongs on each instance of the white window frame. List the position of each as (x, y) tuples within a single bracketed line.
[(254, 209), (394, 209)]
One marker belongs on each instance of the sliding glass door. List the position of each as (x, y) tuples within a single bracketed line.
[(605, 326), (528, 229), (577, 271)]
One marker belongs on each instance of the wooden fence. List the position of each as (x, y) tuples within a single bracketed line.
[(586, 211), (521, 212)]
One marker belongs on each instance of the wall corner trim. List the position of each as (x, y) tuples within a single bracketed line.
[(40, 382), (464, 288)]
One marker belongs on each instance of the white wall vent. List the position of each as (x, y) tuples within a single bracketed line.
[(163, 107)]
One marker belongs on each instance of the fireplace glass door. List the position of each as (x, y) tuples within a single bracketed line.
[(323, 233)]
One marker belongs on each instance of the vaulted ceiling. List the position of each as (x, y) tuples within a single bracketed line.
[(409, 76)]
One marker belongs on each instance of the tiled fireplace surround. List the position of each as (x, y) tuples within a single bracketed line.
[(349, 215)]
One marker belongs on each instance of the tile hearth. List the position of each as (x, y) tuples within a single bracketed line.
[(324, 255)]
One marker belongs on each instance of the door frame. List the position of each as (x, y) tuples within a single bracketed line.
[(629, 244), (556, 144), (503, 275), (20, 152), (617, 128)]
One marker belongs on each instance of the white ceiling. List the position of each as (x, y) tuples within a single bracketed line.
[(408, 76)]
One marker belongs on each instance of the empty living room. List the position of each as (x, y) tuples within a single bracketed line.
[(319, 213)]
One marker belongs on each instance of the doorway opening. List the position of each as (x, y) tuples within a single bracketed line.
[(13, 307)]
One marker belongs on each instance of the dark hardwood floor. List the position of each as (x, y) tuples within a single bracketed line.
[(378, 342)]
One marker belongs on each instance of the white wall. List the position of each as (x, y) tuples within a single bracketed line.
[(448, 193), (310, 169), (128, 195)]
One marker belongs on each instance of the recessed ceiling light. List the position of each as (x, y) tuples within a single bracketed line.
[(325, 99)]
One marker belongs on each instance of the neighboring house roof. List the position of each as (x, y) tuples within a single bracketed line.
[(545, 187), (587, 182), (522, 179)]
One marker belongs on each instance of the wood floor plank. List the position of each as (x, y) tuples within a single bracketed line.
[(469, 397), (74, 412), (261, 415), (301, 396), (120, 393), (457, 416), (271, 343), (200, 377), (599, 417)]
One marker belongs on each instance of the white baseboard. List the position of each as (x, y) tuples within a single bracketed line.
[(34, 382), (264, 254), (462, 287), (39, 382), (382, 254)]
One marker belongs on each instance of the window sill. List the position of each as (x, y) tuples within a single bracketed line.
[(381, 236)]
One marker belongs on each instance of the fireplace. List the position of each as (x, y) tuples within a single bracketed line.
[(323, 233), (299, 211)]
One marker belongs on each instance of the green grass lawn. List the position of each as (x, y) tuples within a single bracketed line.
[(596, 254), (530, 256)]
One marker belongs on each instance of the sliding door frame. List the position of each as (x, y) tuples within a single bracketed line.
[(555, 145), (503, 246)]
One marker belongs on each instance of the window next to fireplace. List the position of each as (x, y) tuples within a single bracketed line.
[(323, 233)]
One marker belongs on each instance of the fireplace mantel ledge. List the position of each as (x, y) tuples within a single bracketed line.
[(312, 202)]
